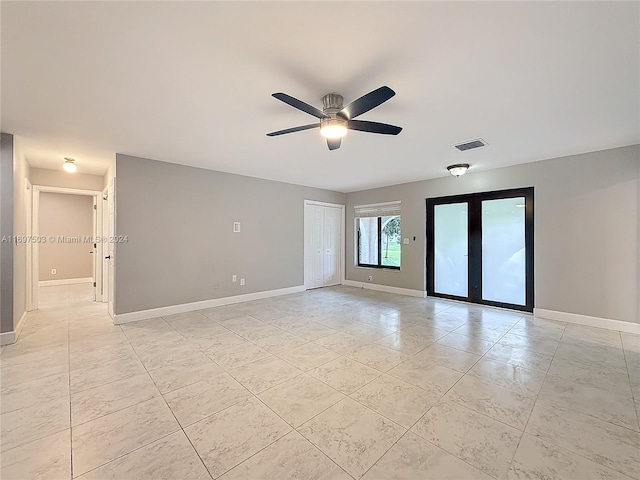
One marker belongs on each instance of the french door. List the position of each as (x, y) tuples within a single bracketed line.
[(480, 248)]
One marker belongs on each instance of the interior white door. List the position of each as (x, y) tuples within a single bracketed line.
[(94, 249), (331, 244), (110, 243), (313, 221)]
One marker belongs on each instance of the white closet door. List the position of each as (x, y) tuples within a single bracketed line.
[(313, 226), (331, 236)]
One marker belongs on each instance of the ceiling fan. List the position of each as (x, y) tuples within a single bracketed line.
[(335, 119)]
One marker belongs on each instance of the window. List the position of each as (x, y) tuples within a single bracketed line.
[(378, 235)]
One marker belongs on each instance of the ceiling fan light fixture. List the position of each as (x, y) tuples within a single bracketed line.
[(69, 165), (458, 169), (333, 128)]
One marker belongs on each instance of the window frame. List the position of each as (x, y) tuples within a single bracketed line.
[(358, 241)]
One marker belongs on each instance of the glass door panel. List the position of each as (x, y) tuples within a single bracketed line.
[(451, 238), (503, 251)]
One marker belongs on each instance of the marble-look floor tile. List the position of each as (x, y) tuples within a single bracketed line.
[(98, 357), (312, 331), (94, 376), (546, 346), (161, 355), (601, 376), (485, 443), (31, 423), (113, 337), (614, 405), (238, 355), (264, 374), (517, 379), (341, 342), (184, 372), (492, 400), (308, 356), (230, 437), (291, 457), (105, 399), (25, 372), (520, 357), (479, 330), (300, 398), (445, 356), (592, 354), (395, 399), (367, 332), (630, 342), (48, 458), (580, 334), (537, 459), (425, 331), (211, 345), (610, 445), (171, 457), (414, 458), (404, 343), (426, 375), (352, 435), (345, 375), (206, 397), (26, 394), (468, 344), (378, 357), (280, 342), (106, 438)]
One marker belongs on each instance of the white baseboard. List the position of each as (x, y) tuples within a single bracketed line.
[(65, 281), (8, 338), (598, 322), (190, 307), (386, 288), (21, 322)]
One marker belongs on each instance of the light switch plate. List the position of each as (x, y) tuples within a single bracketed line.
[(236, 227), (405, 241)]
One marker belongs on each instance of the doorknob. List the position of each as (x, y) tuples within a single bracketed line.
[(108, 257)]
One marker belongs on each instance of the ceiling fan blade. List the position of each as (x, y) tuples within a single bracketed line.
[(334, 143), (373, 127), (299, 104), (366, 103), (293, 129)]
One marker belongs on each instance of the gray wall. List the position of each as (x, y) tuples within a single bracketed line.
[(60, 178), (70, 216), (6, 229), (586, 229), (181, 247)]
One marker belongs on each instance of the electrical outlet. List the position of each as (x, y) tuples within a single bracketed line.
[(54, 271), (234, 278), (242, 282), (371, 278)]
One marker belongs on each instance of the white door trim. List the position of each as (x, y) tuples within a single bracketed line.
[(342, 235), (33, 253)]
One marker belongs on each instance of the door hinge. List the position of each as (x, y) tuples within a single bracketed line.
[(95, 207), (94, 284)]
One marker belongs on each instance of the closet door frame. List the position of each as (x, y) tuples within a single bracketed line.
[(341, 241)]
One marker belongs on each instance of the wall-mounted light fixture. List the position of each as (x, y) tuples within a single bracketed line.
[(458, 169)]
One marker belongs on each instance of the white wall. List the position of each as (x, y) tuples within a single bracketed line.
[(60, 178), (586, 229)]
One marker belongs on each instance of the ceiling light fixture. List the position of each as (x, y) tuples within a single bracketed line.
[(458, 169), (69, 165), (333, 127)]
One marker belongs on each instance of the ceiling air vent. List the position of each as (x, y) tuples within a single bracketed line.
[(470, 145)]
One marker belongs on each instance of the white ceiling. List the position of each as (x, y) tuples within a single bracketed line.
[(190, 83)]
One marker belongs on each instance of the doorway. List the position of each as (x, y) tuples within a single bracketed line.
[(323, 244), (65, 253), (480, 248)]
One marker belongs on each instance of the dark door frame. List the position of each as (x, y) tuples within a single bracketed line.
[(474, 226)]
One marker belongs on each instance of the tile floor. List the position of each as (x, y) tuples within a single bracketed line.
[(335, 383)]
